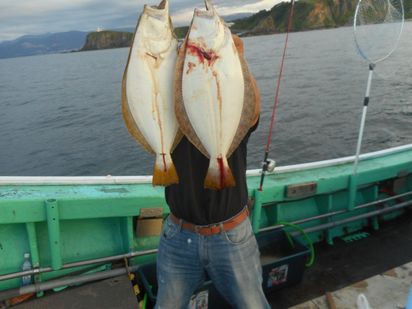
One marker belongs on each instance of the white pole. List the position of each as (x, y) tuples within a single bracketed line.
[(363, 119)]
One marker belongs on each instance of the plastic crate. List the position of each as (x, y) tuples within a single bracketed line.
[(283, 263)]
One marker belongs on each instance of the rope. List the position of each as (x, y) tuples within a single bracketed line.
[(305, 236), (275, 104)]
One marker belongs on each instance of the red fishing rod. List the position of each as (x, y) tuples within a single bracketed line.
[(266, 162)]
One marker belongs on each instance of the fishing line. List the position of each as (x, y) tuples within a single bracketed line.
[(266, 162), (377, 29)]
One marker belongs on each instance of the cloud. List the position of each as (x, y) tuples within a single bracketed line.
[(225, 8), (253, 6), (39, 16)]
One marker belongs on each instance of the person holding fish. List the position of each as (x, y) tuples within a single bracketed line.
[(201, 106)]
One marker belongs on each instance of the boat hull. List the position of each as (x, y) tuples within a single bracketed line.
[(62, 220)]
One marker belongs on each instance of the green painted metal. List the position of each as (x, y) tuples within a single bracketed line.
[(353, 188), (53, 225), (60, 224), (32, 239), (355, 236), (129, 239), (257, 211)]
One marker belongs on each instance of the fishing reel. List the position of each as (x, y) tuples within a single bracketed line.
[(268, 165)]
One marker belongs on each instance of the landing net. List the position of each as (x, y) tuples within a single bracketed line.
[(378, 26)]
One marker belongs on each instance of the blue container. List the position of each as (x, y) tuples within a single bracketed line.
[(283, 262)]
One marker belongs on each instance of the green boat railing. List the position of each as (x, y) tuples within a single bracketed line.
[(70, 224)]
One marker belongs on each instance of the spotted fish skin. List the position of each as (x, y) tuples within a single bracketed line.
[(147, 90), (211, 105)]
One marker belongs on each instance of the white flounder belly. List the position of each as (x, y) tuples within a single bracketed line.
[(150, 96), (147, 90), (213, 95)]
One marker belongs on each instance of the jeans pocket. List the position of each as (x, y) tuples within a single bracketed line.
[(170, 229), (240, 234)]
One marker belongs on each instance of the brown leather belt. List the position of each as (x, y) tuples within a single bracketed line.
[(212, 229)]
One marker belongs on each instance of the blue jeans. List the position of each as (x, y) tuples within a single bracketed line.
[(231, 260)]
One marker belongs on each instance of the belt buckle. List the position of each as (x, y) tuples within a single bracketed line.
[(209, 228)]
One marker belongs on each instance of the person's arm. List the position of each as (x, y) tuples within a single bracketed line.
[(239, 46)]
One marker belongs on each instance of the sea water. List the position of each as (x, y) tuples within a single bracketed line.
[(61, 114)]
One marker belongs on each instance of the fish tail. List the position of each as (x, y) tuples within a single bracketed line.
[(219, 176), (164, 172)]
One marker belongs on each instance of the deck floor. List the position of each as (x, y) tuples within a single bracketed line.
[(107, 294), (344, 264), (386, 291)]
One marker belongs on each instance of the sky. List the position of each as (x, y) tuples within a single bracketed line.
[(20, 17)]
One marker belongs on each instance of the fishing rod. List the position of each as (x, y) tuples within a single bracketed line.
[(269, 165)]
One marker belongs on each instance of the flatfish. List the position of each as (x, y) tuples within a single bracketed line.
[(147, 90), (215, 95)]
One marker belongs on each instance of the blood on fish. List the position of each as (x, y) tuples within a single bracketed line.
[(219, 92), (164, 161), (191, 66), (202, 54), (221, 170), (152, 56)]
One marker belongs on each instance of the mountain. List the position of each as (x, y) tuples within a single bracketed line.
[(48, 43), (107, 39), (308, 15), (232, 17)]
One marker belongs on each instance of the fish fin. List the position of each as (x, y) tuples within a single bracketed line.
[(127, 115), (257, 101), (251, 103), (219, 176), (178, 138), (238, 44), (250, 81), (164, 172)]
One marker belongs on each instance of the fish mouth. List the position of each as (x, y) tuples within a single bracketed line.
[(208, 12), (157, 10), (207, 27), (162, 5)]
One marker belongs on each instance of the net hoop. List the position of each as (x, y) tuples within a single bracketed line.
[(394, 47)]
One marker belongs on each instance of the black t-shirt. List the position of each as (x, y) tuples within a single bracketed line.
[(190, 201)]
